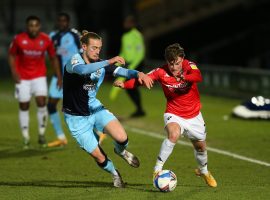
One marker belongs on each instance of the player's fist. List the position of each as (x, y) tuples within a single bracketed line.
[(118, 83), (117, 60)]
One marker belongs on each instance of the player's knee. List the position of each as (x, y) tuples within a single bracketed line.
[(123, 142), (51, 108), (101, 160), (173, 136), (200, 148)]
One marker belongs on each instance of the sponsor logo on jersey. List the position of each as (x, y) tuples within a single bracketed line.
[(89, 86), (32, 52), (179, 85), (180, 88), (168, 118), (193, 66)]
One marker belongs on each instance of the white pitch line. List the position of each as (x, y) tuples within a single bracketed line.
[(226, 153)]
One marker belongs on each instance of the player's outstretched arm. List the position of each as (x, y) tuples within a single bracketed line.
[(129, 74), (132, 83), (83, 69)]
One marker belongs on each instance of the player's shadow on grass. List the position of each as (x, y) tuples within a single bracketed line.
[(20, 153), (91, 184), (58, 184), (67, 184)]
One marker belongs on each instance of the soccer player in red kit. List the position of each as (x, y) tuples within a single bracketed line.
[(182, 116), (27, 63)]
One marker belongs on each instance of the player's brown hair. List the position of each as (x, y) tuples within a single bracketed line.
[(173, 51), (86, 36)]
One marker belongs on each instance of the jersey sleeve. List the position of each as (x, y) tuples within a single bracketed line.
[(74, 61), (132, 83), (154, 74), (51, 49), (13, 48), (110, 69), (193, 73), (78, 66)]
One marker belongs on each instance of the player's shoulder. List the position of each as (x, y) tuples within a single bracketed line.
[(44, 36), (159, 70), (75, 32), (21, 35), (191, 64), (52, 33), (76, 59)]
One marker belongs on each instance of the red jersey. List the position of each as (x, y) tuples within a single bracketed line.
[(30, 54), (183, 97)]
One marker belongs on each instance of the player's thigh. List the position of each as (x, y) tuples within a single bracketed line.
[(39, 86), (196, 128), (23, 91), (173, 130), (173, 123), (81, 128), (54, 91), (106, 122)]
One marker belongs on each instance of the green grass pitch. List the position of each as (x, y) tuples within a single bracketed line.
[(69, 173)]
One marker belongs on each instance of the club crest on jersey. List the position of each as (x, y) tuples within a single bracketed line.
[(41, 43), (24, 42)]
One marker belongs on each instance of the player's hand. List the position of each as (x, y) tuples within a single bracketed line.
[(16, 78), (145, 80), (118, 83), (117, 60), (59, 83)]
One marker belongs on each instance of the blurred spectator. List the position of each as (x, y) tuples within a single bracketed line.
[(255, 108), (133, 51)]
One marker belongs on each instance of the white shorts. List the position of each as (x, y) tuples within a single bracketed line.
[(26, 88), (193, 128)]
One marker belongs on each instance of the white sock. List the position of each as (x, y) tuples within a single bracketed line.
[(42, 115), (201, 158), (165, 151), (24, 123), (61, 137)]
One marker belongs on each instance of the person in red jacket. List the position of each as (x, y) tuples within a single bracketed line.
[(27, 63), (178, 79)]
